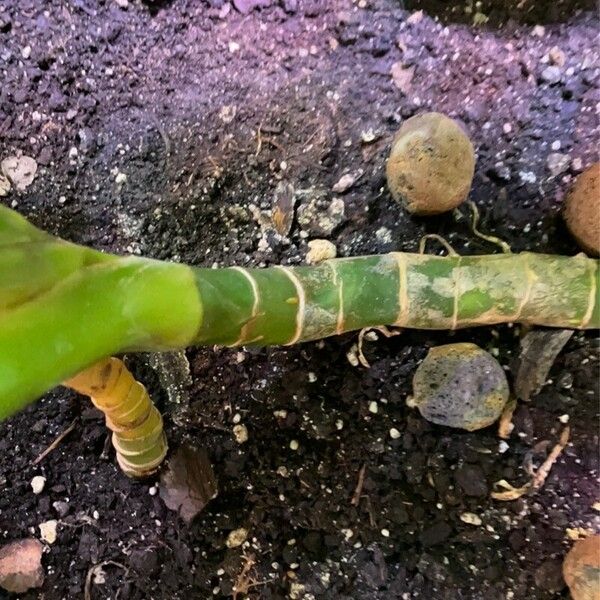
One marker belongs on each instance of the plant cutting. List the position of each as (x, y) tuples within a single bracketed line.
[(65, 307)]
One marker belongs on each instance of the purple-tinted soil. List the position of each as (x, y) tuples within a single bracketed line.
[(205, 110)]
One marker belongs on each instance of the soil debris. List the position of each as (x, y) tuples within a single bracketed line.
[(538, 476), (188, 482), (320, 250), (284, 203), (20, 170), (21, 566), (539, 349)]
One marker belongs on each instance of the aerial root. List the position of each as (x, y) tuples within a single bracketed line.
[(438, 238), (388, 333), (475, 223)]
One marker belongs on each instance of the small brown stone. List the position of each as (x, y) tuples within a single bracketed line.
[(431, 165), (582, 210), (581, 569)]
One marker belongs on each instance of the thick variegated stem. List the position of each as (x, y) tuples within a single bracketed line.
[(285, 305), (64, 307), (137, 426)]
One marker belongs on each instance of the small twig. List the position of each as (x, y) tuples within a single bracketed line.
[(55, 443), (372, 521), (258, 140), (94, 570), (359, 486)]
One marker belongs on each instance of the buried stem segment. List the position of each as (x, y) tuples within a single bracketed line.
[(137, 426)]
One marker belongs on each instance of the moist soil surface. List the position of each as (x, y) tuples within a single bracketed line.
[(164, 129)]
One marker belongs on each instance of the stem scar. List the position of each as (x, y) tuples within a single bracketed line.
[(403, 299)]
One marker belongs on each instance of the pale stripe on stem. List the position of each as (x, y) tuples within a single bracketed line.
[(301, 304), (255, 306), (339, 285), (403, 298)]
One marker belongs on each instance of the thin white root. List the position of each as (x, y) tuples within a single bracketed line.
[(488, 238), (438, 238), (361, 336)]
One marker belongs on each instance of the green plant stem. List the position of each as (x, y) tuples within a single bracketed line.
[(90, 305)]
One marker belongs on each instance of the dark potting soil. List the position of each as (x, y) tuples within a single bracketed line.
[(205, 107)]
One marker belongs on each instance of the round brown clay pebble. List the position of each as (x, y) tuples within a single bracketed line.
[(581, 569), (431, 164), (582, 210), (460, 385)]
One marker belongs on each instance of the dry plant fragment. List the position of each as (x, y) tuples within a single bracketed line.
[(542, 473), (137, 426), (245, 581), (96, 574), (188, 483), (539, 350), (538, 477), (359, 486), (505, 425), (59, 438)]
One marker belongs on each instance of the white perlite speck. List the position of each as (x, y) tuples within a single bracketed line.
[(37, 484), (394, 433), (48, 531)]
